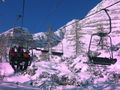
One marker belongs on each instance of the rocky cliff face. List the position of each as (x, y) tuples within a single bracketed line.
[(77, 36)]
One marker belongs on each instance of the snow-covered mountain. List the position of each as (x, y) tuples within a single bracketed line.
[(42, 38), (72, 71)]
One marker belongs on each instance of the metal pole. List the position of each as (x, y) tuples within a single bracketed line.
[(110, 23), (111, 46), (23, 12), (49, 42)]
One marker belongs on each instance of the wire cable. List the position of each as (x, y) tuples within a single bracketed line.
[(20, 16), (95, 12), (23, 12), (55, 7)]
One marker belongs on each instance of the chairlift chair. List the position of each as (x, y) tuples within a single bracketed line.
[(21, 59), (44, 51), (53, 52), (16, 42), (57, 53), (101, 60)]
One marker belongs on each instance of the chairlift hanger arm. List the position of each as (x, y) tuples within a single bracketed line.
[(110, 23), (103, 34), (90, 44), (23, 12)]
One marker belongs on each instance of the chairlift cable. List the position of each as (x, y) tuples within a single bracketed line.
[(55, 7), (20, 16), (110, 23), (23, 12)]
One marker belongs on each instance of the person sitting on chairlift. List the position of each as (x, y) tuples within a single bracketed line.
[(13, 58), (26, 59), (20, 57)]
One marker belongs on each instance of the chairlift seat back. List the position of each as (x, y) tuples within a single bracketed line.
[(57, 53), (45, 51)]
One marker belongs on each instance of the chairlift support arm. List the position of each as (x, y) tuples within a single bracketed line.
[(110, 23)]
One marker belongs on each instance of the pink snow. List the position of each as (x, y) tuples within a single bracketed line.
[(6, 69)]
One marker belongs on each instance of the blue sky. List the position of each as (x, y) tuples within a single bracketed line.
[(40, 13)]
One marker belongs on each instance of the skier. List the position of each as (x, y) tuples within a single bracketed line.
[(20, 50), (13, 58), (20, 57), (26, 59)]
